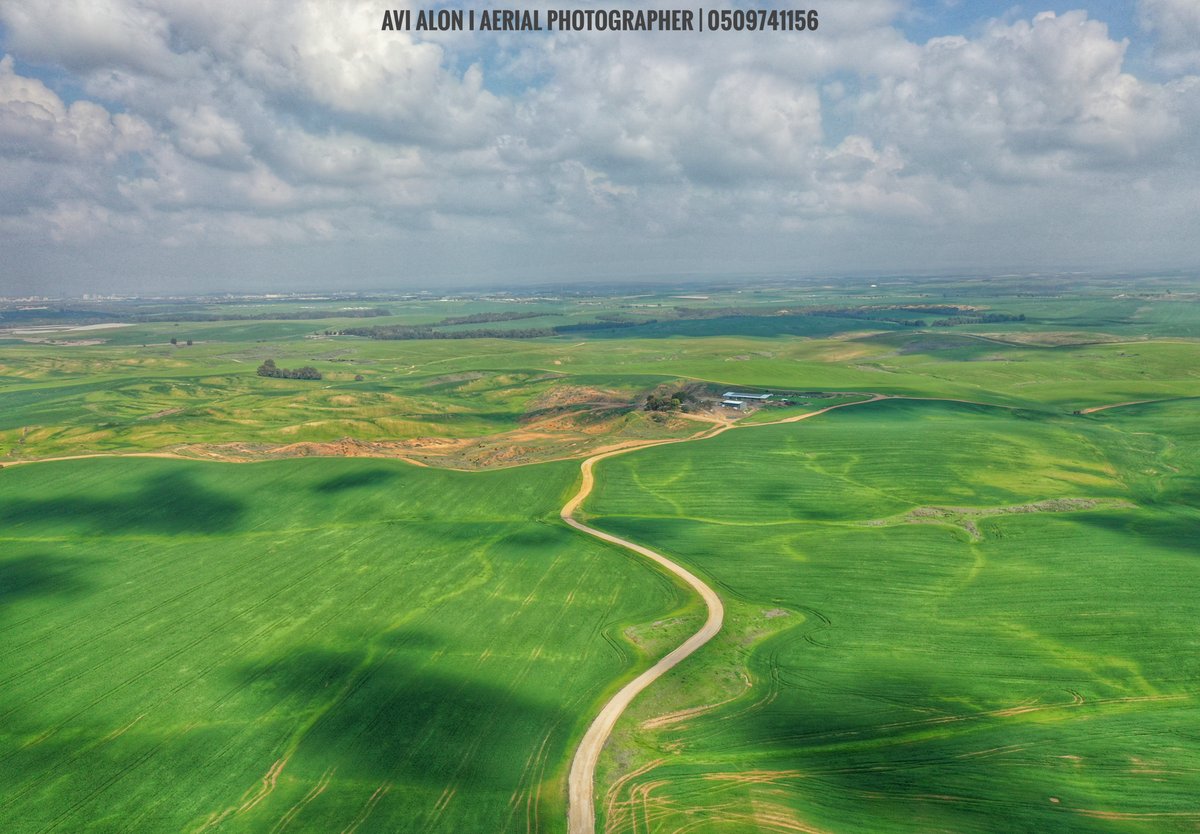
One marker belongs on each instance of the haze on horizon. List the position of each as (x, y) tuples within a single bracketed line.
[(157, 145)]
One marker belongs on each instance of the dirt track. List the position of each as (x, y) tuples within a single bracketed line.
[(581, 813), (1096, 408), (170, 455), (581, 782)]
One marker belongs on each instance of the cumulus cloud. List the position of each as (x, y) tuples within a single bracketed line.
[(35, 122), (1032, 100), (267, 125), (1176, 24), (89, 35), (203, 133)]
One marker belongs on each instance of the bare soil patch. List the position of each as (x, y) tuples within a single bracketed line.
[(966, 517)]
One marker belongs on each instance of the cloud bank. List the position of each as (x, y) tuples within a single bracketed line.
[(147, 144)]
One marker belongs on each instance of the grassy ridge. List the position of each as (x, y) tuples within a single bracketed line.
[(990, 666), (319, 643), (1084, 341), (110, 399)]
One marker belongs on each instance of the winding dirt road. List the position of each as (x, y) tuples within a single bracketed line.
[(581, 782), (581, 812)]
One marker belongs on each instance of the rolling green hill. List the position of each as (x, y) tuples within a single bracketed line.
[(945, 618), (966, 616)]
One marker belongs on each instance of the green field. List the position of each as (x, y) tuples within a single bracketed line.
[(108, 398), (1079, 344), (965, 608), (948, 618), (316, 644)]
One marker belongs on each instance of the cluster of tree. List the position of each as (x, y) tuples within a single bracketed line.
[(405, 332), (668, 402), (986, 318), (269, 368)]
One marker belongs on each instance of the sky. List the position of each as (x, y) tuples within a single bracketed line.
[(173, 146)]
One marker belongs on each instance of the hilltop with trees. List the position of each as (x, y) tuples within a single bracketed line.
[(269, 368)]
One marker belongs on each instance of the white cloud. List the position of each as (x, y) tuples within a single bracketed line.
[(1030, 101), (35, 122), (269, 124), (203, 133), (1176, 24), (333, 55), (85, 35)]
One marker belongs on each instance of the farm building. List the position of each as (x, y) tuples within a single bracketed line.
[(731, 403), (738, 395)]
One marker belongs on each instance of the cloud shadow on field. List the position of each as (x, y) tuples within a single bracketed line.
[(167, 503), (1172, 531), (892, 758), (352, 480), (402, 719), (40, 574), (535, 537)]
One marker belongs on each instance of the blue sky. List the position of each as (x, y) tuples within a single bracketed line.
[(155, 144)]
